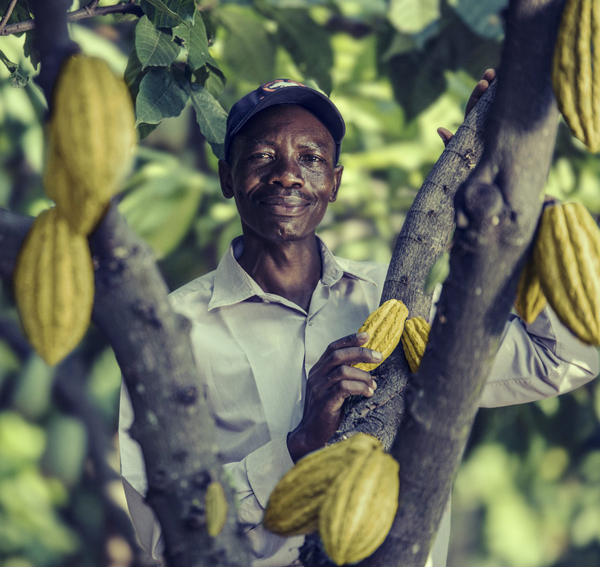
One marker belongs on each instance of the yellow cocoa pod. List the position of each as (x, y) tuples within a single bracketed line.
[(576, 71), (216, 508), (92, 123), (567, 260), (54, 286), (385, 326), (83, 211), (414, 341), (530, 297), (359, 508), (294, 504)]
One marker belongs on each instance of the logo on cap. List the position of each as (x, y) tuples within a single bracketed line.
[(279, 84)]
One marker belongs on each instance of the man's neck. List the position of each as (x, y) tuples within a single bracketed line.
[(288, 269)]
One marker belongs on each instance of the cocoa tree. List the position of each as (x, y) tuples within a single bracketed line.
[(496, 211)]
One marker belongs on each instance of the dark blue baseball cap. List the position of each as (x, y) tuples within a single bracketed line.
[(285, 91)]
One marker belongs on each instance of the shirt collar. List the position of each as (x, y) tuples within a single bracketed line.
[(232, 284)]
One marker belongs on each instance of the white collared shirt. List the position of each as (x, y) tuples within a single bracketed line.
[(254, 351)]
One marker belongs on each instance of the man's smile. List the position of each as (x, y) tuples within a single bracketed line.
[(284, 205)]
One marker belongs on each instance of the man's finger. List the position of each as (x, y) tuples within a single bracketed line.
[(352, 374), (348, 356), (445, 135), (479, 89)]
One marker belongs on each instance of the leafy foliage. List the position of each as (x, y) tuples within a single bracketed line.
[(528, 492)]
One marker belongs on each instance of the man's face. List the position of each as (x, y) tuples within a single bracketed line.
[(281, 173)]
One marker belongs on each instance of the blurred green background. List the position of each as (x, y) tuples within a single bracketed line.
[(528, 493)]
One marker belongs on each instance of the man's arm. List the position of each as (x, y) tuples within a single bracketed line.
[(538, 361)]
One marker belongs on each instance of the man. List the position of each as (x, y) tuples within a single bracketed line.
[(262, 321)]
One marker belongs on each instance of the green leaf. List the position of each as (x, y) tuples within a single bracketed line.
[(211, 118), (455, 47), (133, 74), (30, 50), (161, 96), (211, 78), (154, 47), (314, 58), (33, 391), (482, 17), (438, 273), (410, 16), (168, 13), (163, 207), (248, 48), (195, 42)]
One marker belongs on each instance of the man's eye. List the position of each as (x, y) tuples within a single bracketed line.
[(312, 158), (260, 155)]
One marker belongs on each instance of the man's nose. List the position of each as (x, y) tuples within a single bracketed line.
[(285, 172)]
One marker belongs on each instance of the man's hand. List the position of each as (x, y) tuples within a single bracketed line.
[(331, 380), (477, 93)]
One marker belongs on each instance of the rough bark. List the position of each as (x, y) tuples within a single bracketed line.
[(152, 344), (497, 210), (173, 423), (425, 235)]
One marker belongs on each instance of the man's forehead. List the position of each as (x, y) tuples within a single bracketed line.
[(274, 120)]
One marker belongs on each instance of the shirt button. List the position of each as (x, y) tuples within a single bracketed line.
[(310, 322)]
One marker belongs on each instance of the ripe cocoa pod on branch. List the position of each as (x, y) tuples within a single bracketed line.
[(530, 298), (360, 506), (216, 508), (385, 326), (294, 504), (567, 260), (91, 134), (414, 341), (576, 70), (54, 286), (82, 211)]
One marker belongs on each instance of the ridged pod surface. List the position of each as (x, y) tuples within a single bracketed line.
[(530, 298), (216, 508), (83, 211), (294, 504), (576, 70), (385, 326), (567, 259), (54, 286), (359, 508), (93, 125), (414, 341)]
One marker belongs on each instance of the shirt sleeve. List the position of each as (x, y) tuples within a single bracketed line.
[(253, 479), (537, 361)]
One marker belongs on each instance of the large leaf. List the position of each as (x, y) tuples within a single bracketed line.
[(195, 42), (456, 47), (410, 16), (133, 74), (482, 17), (169, 13), (314, 58), (211, 118), (163, 206), (161, 95), (248, 49), (154, 47)]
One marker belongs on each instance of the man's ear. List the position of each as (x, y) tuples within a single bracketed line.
[(225, 179), (337, 177)]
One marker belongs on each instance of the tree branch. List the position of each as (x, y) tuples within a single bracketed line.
[(7, 14), (152, 346), (88, 11), (497, 210), (425, 235)]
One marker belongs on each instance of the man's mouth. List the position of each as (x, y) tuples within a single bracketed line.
[(284, 205)]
